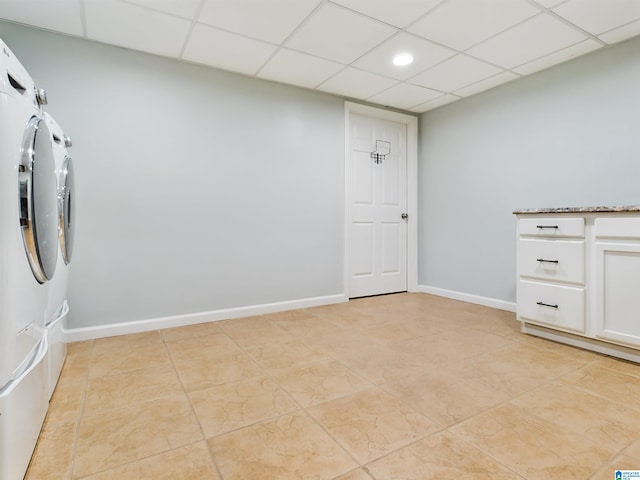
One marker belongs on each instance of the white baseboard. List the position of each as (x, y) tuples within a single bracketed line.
[(467, 297), (101, 331)]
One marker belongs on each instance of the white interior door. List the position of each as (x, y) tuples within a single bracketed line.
[(377, 203)]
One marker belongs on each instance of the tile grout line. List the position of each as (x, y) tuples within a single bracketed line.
[(82, 407), (597, 394), (268, 373), (372, 386), (265, 373), (499, 462), (81, 412), (135, 460), (193, 411), (532, 416)]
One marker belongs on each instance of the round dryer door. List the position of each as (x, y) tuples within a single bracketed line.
[(67, 209), (38, 200)]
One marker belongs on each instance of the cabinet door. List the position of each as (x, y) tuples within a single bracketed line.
[(617, 303)]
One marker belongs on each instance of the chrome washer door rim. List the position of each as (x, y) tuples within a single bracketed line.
[(37, 200), (67, 209)]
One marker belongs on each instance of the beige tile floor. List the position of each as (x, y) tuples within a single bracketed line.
[(399, 387)]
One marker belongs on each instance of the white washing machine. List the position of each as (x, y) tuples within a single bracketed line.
[(28, 259), (58, 308)]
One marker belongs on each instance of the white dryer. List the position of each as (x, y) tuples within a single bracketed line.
[(58, 308), (28, 258)]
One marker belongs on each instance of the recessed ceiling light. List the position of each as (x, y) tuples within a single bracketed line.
[(402, 59)]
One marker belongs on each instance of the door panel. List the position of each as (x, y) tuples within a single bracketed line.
[(391, 188), (391, 251), (363, 194), (362, 259), (378, 198)]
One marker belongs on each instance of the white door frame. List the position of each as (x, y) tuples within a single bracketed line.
[(412, 186)]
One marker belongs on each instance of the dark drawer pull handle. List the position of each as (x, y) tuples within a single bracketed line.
[(547, 305), (542, 260), (548, 226)]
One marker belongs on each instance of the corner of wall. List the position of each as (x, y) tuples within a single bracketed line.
[(467, 297)]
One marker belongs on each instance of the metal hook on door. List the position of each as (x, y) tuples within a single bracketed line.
[(383, 149)]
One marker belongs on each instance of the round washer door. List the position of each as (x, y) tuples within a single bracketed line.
[(38, 200), (67, 209)]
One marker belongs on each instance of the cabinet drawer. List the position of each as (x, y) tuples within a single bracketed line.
[(617, 227), (556, 306), (552, 227), (556, 260)]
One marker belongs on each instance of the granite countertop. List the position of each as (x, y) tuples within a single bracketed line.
[(619, 208)]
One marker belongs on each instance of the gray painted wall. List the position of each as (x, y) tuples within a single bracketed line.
[(202, 190), (198, 189), (567, 136)]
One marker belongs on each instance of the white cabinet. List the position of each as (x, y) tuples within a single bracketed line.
[(617, 283), (551, 272), (579, 279)]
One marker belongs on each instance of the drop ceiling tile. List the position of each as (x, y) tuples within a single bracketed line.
[(338, 34), (598, 16), (486, 84), (399, 13), (426, 54), (271, 21), (240, 54), (528, 41), (60, 16), (289, 66), (357, 84), (455, 73), (404, 96), (432, 104), (558, 57), (180, 8), (461, 24), (622, 33), (119, 23), (549, 3)]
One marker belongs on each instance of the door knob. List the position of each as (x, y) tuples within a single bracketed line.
[(404, 216)]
